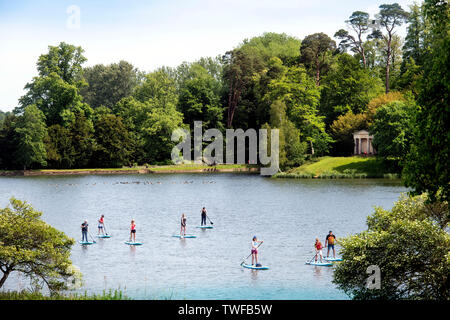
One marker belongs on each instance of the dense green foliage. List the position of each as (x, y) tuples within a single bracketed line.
[(427, 165), (316, 91), (409, 244), (35, 249)]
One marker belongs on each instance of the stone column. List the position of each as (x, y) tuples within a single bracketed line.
[(360, 145)]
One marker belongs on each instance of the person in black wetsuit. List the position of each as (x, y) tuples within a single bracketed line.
[(183, 225), (203, 216), (84, 231)]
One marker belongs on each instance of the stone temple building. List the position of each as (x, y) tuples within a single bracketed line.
[(363, 143)]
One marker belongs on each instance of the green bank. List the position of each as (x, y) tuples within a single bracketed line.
[(341, 167)]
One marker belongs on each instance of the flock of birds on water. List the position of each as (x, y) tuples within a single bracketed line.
[(126, 182)]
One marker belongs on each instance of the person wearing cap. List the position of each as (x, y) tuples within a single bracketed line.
[(255, 245), (330, 240), (84, 231)]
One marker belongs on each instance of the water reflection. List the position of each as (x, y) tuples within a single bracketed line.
[(254, 274)]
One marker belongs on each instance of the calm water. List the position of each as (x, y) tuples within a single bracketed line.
[(287, 214)]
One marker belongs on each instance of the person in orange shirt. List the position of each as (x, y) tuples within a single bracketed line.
[(330, 240)]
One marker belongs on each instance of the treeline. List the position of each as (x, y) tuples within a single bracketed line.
[(316, 91)]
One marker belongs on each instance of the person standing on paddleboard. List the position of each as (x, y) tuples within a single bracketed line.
[(133, 231), (329, 241), (100, 224), (318, 246), (203, 216), (255, 244), (183, 225), (84, 231)]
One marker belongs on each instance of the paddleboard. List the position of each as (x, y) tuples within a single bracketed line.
[(133, 243), (320, 264), (186, 236), (205, 227), (103, 236), (249, 266), (86, 242), (332, 259)]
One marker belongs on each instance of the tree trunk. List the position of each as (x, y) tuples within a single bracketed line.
[(361, 48), (317, 73), (3, 279), (388, 62)]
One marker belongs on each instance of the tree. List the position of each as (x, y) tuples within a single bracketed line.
[(82, 136), (158, 87), (56, 88), (65, 60), (2, 117), (292, 152), (414, 41), (60, 150), (34, 248), (246, 76), (301, 96), (381, 100), (240, 66), (316, 51), (157, 131), (108, 84), (31, 131), (199, 98), (389, 17), (410, 248), (8, 142), (392, 129), (342, 130), (426, 168), (150, 125), (359, 22), (347, 87), (113, 144)]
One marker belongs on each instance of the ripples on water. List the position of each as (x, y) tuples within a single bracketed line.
[(288, 214)]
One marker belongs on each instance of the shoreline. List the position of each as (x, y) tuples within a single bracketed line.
[(154, 170)]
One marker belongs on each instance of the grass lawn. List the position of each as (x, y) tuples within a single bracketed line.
[(342, 166)]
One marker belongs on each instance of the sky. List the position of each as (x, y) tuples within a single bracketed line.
[(151, 34)]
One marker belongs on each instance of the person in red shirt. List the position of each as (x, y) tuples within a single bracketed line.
[(133, 231), (318, 246), (101, 225)]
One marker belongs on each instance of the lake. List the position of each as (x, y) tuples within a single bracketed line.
[(288, 214)]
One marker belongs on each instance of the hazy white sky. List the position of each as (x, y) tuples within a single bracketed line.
[(150, 34)]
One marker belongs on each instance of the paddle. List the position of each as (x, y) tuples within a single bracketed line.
[(209, 219), (104, 227), (243, 260), (92, 237)]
